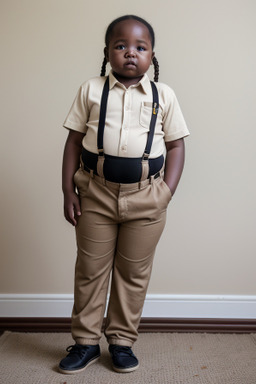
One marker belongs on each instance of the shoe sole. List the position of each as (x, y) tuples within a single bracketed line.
[(125, 370), (72, 372)]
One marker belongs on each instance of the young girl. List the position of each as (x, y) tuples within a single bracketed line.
[(122, 162)]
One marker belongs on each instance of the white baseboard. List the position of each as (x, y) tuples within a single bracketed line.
[(162, 306)]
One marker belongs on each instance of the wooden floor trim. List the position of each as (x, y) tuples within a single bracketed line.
[(35, 324)]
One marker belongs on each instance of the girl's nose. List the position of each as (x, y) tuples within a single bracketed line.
[(130, 53)]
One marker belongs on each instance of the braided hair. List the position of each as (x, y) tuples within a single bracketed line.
[(152, 37), (103, 67), (156, 66)]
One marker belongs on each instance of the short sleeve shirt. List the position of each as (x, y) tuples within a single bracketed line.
[(128, 117)]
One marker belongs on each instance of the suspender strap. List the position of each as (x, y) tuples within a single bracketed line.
[(152, 122), (103, 110)]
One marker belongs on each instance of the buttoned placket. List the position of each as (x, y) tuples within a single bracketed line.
[(125, 123)]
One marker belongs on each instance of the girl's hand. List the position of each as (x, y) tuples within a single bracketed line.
[(72, 151), (71, 207)]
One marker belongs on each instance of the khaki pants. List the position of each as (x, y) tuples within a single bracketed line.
[(117, 232)]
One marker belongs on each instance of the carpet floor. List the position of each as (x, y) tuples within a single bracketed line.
[(165, 358)]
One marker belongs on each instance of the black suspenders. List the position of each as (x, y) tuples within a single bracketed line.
[(155, 108), (103, 109)]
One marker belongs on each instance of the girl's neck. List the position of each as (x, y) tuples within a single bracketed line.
[(126, 81)]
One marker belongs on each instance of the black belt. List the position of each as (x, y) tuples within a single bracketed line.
[(121, 169)]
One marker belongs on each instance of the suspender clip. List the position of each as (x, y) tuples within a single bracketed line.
[(155, 109), (145, 156)]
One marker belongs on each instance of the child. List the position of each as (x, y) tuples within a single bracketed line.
[(124, 156)]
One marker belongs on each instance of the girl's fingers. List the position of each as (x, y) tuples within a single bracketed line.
[(70, 216), (72, 208), (77, 209)]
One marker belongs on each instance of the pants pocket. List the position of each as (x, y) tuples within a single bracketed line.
[(82, 180), (162, 194), (167, 189)]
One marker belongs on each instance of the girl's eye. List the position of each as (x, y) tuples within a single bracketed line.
[(141, 49), (120, 47)]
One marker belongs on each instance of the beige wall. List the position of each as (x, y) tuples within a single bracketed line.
[(206, 51)]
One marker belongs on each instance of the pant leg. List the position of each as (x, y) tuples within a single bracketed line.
[(96, 234), (137, 239)]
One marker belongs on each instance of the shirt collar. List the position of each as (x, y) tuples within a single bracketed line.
[(144, 83)]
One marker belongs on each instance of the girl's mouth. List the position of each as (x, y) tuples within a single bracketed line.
[(130, 64)]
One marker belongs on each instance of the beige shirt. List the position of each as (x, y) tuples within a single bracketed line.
[(128, 117)]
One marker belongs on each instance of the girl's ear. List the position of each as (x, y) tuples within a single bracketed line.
[(106, 53), (153, 55)]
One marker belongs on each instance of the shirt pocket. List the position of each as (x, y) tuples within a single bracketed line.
[(145, 114)]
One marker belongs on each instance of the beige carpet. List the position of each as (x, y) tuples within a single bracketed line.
[(165, 358)]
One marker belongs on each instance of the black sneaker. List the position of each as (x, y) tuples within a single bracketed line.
[(79, 358), (123, 358)]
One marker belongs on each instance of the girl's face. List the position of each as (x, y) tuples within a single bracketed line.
[(130, 51)]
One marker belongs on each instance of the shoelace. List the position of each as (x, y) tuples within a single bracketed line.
[(79, 350), (122, 351)]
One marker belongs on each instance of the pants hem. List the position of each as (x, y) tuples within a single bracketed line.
[(82, 341), (123, 342)]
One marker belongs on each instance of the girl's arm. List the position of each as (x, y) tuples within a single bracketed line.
[(72, 152), (174, 163)]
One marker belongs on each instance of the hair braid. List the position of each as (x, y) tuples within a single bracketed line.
[(103, 67), (156, 66)]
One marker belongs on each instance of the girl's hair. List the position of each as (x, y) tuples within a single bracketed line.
[(152, 37)]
